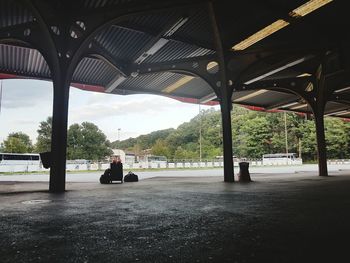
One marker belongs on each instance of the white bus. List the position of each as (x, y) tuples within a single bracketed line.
[(19, 159), (20, 162), (281, 159), (154, 158)]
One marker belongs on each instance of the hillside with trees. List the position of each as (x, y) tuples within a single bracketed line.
[(253, 134), (142, 142)]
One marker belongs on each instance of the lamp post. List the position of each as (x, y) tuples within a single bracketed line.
[(200, 133), (0, 94), (11, 144), (219, 132), (285, 131), (119, 134)]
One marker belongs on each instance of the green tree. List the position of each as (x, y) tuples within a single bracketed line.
[(144, 141), (137, 149), (308, 140), (161, 148), (337, 138), (278, 136), (43, 141), (75, 142), (87, 141), (183, 154), (257, 137), (180, 154), (17, 142), (210, 151), (253, 134)]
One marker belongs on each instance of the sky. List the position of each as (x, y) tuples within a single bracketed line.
[(25, 103)]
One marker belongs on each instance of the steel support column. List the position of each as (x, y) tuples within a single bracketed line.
[(321, 143), (226, 107), (58, 65), (318, 108), (59, 134), (225, 95)]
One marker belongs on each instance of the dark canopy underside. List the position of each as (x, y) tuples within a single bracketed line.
[(165, 50)]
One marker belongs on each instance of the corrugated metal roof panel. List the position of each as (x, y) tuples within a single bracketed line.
[(196, 88), (266, 99), (126, 43), (157, 82), (94, 71), (334, 106), (153, 22), (103, 3), (197, 28), (23, 61), (121, 42), (11, 13), (151, 82), (177, 50)]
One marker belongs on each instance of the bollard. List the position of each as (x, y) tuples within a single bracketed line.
[(243, 175)]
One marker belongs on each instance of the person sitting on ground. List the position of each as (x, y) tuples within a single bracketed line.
[(116, 172)]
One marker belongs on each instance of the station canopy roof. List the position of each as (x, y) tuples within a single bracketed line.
[(265, 43)]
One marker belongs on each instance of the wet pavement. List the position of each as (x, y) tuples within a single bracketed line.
[(277, 218), (93, 176)]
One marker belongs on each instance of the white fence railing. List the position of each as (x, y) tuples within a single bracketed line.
[(159, 165), (339, 161)]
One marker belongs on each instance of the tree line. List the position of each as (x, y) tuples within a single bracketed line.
[(253, 134), (84, 141)]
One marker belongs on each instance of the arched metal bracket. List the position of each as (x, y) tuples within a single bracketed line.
[(97, 51), (341, 98), (190, 66), (297, 86)]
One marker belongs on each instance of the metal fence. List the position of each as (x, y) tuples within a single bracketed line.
[(173, 164)]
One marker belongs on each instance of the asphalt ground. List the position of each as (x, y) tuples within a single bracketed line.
[(297, 217), (93, 176)]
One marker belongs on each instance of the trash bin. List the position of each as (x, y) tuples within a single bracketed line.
[(243, 175), (46, 159)]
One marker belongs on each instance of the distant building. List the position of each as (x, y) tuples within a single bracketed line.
[(150, 158), (281, 159), (146, 152), (126, 156)]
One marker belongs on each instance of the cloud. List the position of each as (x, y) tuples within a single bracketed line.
[(100, 110), (27, 102), (24, 94), (98, 97), (111, 135), (24, 122)]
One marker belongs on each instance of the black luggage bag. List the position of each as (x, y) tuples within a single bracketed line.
[(105, 177), (131, 177)]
